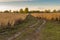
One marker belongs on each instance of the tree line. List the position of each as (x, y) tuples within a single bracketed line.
[(26, 10)]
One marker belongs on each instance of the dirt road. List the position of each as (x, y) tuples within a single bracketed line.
[(34, 35)]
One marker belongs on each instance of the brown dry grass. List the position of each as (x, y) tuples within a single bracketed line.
[(10, 18), (48, 16)]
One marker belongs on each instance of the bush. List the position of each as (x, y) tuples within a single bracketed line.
[(6, 11)]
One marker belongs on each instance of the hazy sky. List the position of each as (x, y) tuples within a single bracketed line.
[(31, 4)]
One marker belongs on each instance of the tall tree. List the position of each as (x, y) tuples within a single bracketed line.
[(54, 11), (21, 11), (26, 10)]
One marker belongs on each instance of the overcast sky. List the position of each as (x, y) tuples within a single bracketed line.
[(31, 4)]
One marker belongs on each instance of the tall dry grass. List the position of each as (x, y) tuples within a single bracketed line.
[(10, 18), (48, 16)]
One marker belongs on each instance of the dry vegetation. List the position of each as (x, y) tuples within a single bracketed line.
[(48, 16), (11, 19)]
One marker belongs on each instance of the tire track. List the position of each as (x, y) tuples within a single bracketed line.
[(19, 33), (36, 35), (36, 31)]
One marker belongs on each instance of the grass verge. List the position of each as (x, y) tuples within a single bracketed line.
[(51, 31)]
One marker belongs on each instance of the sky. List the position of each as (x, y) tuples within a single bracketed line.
[(31, 4)]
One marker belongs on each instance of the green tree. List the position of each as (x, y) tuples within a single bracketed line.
[(21, 11), (26, 10), (54, 11), (47, 11)]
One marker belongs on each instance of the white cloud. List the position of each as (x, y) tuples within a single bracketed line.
[(13, 0)]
